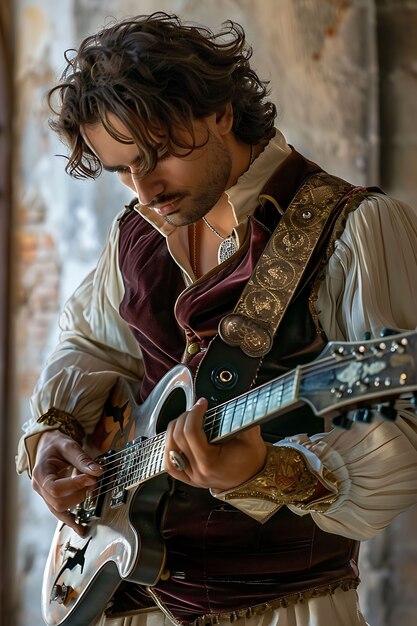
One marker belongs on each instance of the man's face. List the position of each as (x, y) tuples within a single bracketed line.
[(181, 188)]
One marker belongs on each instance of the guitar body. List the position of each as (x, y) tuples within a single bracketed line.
[(121, 516), (122, 540)]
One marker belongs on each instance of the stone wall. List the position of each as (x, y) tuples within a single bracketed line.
[(344, 78)]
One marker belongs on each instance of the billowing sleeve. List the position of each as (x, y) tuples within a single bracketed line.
[(375, 467), (370, 284), (96, 347)]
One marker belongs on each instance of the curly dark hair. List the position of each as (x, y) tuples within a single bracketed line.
[(156, 74)]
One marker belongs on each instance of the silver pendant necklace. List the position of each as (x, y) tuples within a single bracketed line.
[(228, 245)]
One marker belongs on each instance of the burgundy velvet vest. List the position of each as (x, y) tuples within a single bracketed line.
[(220, 560)]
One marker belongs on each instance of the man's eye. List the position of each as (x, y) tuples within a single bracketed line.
[(138, 168)]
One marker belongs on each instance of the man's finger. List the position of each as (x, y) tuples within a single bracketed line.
[(79, 459), (63, 487)]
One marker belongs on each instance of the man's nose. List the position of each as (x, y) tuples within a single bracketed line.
[(147, 187)]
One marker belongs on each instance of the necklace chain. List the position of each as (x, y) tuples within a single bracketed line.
[(228, 245), (195, 268), (216, 232)]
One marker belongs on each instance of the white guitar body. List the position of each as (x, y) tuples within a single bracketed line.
[(113, 548)]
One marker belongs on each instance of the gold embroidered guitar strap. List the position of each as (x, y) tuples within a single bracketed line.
[(270, 289)]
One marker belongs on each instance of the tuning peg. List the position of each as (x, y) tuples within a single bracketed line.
[(342, 421), (387, 411), (367, 335), (363, 415), (386, 332)]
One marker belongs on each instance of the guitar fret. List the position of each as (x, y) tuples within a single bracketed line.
[(160, 452), (288, 391), (229, 417), (215, 425), (141, 464), (139, 467), (243, 403), (152, 468), (262, 403), (250, 407), (149, 459), (275, 395), (237, 413)]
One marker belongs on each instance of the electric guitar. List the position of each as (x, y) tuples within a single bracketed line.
[(122, 539)]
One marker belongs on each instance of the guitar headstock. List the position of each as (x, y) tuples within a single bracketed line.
[(351, 375)]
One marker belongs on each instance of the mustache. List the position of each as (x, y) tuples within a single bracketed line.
[(162, 200)]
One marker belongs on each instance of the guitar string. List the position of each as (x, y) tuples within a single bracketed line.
[(138, 460), (139, 450), (142, 455), (218, 415)]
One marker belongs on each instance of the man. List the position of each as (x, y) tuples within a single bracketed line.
[(264, 525)]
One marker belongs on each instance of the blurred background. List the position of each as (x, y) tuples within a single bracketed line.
[(344, 77)]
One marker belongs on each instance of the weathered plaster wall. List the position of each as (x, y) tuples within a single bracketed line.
[(397, 37), (339, 97)]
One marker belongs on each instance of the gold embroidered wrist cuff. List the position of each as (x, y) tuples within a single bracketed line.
[(66, 423), (285, 479)]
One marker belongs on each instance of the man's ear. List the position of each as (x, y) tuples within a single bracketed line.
[(224, 119)]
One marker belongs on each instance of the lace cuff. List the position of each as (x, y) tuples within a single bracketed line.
[(285, 479), (65, 422)]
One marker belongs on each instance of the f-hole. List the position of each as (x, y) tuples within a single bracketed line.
[(172, 408)]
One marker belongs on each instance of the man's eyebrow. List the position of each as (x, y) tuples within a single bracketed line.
[(117, 168)]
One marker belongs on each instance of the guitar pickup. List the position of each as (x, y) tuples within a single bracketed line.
[(123, 470), (119, 497), (119, 491), (92, 506)]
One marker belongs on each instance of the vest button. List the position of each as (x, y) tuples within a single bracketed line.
[(193, 348), (166, 574)]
